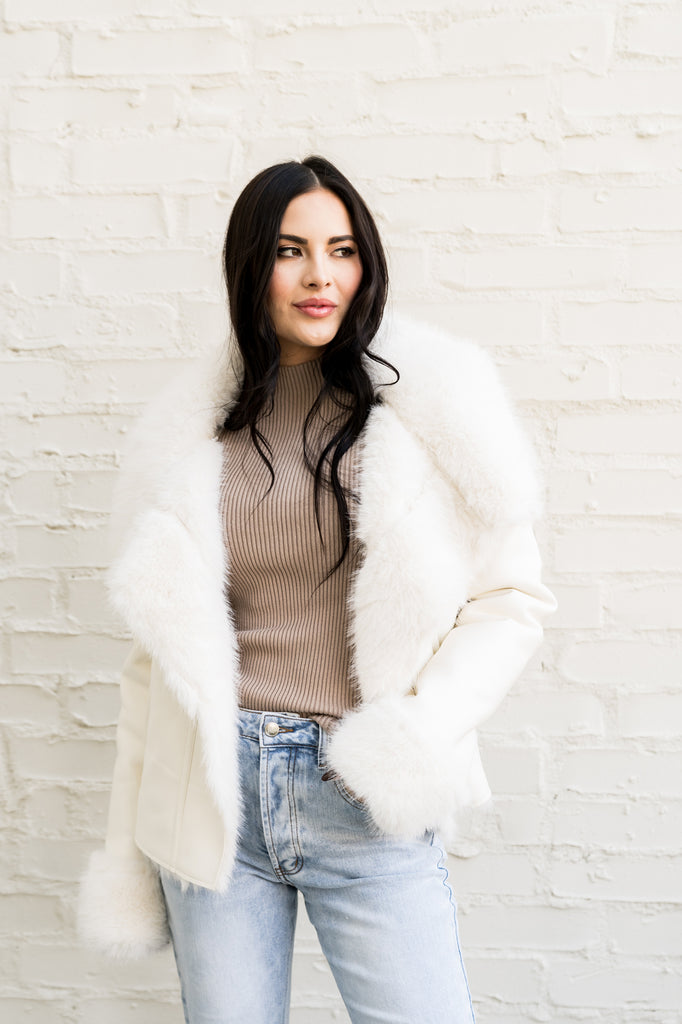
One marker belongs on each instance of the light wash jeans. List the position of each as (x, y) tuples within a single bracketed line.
[(382, 907)]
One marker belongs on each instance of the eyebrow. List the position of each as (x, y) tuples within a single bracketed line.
[(331, 241)]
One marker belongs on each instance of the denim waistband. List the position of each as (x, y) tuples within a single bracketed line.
[(281, 729)]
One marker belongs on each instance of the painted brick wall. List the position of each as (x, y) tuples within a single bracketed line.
[(525, 163)]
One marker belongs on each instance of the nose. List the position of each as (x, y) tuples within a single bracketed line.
[(316, 272)]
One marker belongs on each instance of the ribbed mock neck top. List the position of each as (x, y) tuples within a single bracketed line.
[(292, 628)]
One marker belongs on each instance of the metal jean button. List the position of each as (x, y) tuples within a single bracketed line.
[(271, 728)]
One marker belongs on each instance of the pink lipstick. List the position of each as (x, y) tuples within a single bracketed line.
[(316, 308)]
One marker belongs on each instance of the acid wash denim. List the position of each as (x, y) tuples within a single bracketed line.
[(382, 907)]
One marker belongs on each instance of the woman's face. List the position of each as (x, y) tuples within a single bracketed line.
[(317, 273)]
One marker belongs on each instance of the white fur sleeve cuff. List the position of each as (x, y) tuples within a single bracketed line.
[(121, 909), (412, 773)]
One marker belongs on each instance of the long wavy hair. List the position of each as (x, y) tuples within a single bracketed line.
[(249, 255)]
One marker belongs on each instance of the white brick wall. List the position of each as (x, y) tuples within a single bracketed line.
[(525, 163)]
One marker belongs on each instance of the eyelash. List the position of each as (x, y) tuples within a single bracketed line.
[(347, 250)]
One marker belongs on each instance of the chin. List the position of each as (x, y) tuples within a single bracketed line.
[(316, 341), (312, 339)]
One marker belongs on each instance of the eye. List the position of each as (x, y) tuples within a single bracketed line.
[(288, 251), (344, 251)]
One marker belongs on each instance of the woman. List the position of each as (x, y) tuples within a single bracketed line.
[(328, 567)]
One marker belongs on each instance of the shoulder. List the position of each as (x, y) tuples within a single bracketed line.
[(175, 431), (433, 359), (451, 396)]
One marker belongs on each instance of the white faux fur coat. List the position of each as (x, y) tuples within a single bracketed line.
[(446, 610)]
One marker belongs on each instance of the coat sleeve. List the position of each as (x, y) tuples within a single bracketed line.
[(121, 909), (414, 759)]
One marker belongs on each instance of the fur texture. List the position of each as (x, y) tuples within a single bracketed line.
[(121, 911), (406, 769)]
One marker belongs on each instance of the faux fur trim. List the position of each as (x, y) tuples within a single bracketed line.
[(121, 910), (167, 584), (162, 442), (407, 769), (451, 397)]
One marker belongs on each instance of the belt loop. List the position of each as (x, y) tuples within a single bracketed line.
[(322, 748)]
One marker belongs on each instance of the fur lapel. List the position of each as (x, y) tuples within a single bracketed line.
[(451, 399), (441, 460)]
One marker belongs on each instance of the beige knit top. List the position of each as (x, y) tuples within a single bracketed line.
[(292, 629)]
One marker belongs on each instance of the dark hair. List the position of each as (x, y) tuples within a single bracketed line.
[(249, 255)]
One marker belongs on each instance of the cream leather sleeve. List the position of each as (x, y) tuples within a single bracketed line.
[(121, 910), (414, 759), (495, 634)]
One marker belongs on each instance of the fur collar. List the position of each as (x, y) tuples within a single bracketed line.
[(449, 397)]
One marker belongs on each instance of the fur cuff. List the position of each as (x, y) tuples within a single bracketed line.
[(411, 772), (121, 910)]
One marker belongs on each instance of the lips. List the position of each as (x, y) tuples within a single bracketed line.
[(315, 304), (317, 309)]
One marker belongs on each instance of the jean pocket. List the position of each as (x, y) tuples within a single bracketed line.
[(348, 795)]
